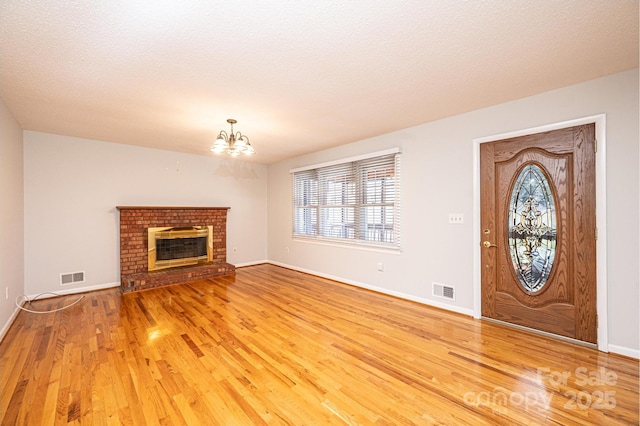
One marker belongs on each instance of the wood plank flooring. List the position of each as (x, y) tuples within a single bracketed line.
[(271, 346)]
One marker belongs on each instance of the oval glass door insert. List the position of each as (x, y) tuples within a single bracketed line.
[(532, 228)]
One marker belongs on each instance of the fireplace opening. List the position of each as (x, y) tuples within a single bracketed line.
[(167, 249), (171, 247)]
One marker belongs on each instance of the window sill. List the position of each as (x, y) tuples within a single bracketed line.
[(338, 243)]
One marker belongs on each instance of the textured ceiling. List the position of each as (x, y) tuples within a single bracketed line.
[(298, 76)]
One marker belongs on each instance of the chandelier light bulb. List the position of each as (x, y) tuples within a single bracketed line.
[(232, 143)]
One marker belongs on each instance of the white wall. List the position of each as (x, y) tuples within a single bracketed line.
[(72, 187), (437, 179), (11, 217)]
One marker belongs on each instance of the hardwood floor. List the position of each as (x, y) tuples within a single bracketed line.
[(275, 346)]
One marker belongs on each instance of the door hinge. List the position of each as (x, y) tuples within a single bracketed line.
[(595, 145), (596, 233)]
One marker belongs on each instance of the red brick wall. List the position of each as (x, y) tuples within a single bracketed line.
[(134, 222)]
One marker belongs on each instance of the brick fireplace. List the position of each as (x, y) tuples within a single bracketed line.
[(134, 223)]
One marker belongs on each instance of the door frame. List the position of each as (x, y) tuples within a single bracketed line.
[(601, 215)]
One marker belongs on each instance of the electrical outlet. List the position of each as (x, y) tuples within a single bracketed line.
[(286, 250), (456, 218), (380, 266)]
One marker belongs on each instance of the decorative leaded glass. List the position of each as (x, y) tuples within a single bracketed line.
[(532, 228)]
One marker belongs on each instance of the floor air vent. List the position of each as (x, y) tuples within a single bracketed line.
[(444, 291), (72, 278)]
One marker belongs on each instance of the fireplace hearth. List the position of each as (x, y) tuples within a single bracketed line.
[(168, 245)]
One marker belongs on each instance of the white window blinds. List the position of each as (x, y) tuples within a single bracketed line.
[(354, 201)]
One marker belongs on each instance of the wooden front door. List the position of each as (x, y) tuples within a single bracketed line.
[(538, 231)]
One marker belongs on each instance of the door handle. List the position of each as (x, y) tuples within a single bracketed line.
[(487, 244)]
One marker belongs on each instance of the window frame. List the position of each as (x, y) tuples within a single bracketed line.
[(379, 170)]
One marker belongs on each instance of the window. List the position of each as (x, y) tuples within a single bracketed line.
[(352, 201)]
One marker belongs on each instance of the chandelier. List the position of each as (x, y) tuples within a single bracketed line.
[(233, 144)]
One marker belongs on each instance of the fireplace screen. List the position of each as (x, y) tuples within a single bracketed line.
[(179, 246)]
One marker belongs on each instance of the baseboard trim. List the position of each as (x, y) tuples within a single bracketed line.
[(77, 290), (423, 301), (245, 264), (624, 351), (9, 323)]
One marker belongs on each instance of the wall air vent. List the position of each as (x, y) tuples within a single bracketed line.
[(444, 291), (72, 278)]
